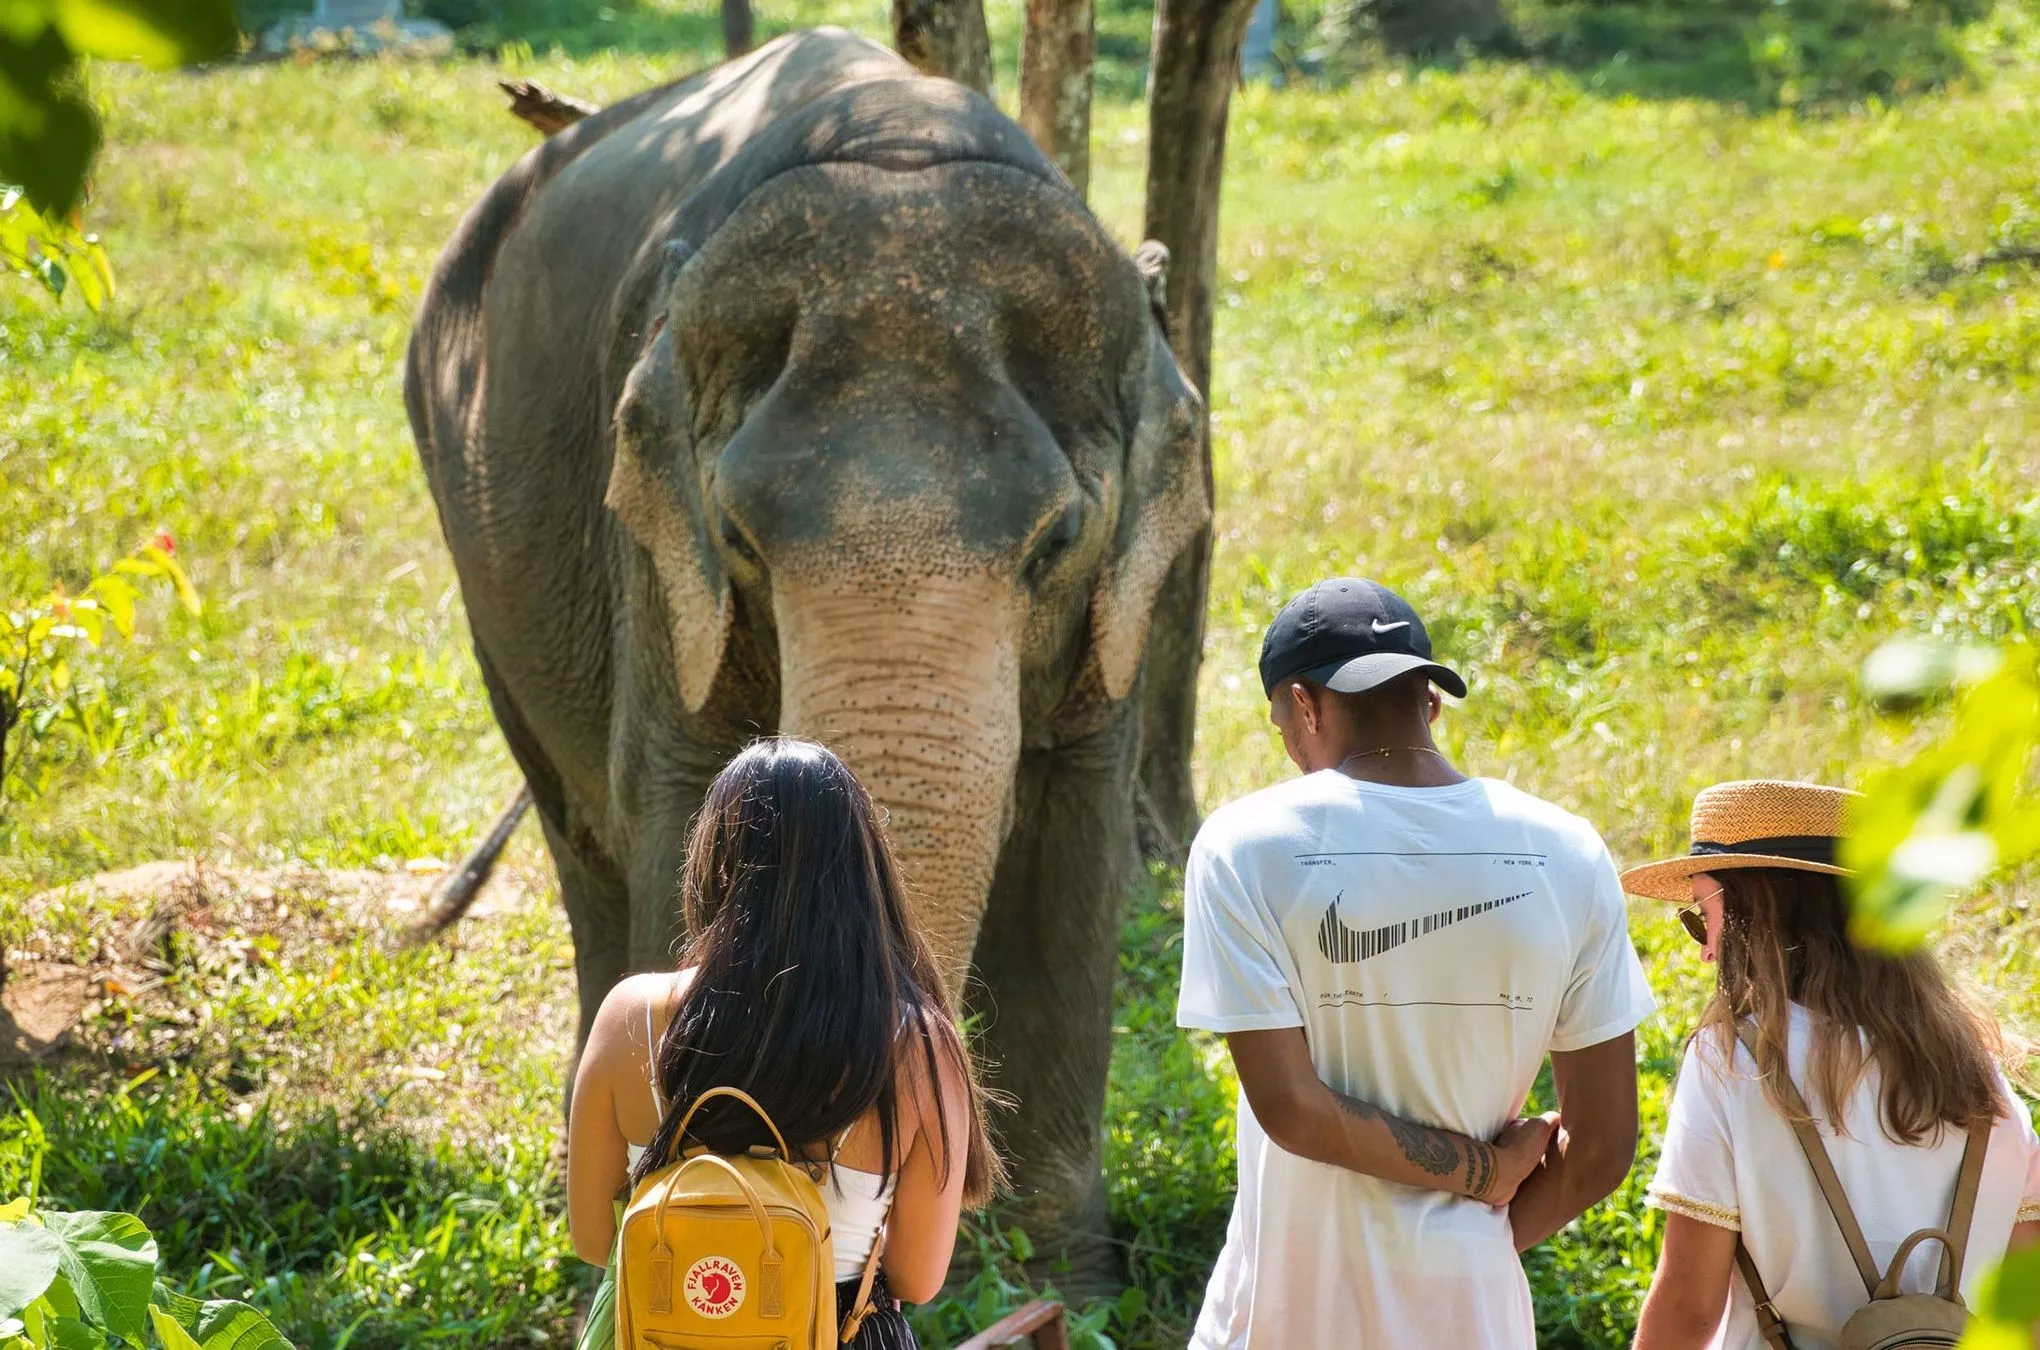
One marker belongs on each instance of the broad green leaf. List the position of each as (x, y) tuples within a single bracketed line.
[(118, 595), (69, 1333), (28, 1262), (225, 1324), (1943, 822), (47, 148), (156, 33), (174, 1337), (110, 1262), (2011, 1293), (1905, 671)]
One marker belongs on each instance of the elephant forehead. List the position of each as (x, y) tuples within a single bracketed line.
[(969, 253)]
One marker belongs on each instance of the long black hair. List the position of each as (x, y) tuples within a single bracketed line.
[(811, 983)]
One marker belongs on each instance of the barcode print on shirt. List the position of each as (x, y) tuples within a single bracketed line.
[(1343, 946)]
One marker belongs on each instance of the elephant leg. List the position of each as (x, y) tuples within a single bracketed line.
[(598, 916), (1046, 963)]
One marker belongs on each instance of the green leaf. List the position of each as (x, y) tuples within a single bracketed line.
[(2011, 1293), (174, 1337), (69, 1333), (48, 144), (1945, 821), (157, 33), (28, 1262), (225, 1324), (118, 595), (110, 1262)]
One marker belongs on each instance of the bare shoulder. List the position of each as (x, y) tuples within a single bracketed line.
[(620, 1025)]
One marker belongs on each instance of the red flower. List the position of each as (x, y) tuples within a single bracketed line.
[(165, 542)]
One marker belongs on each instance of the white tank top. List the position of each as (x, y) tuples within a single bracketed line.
[(858, 1201)]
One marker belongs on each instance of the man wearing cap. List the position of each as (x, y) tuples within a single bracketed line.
[(1391, 949)]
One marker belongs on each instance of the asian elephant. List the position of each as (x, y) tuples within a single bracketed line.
[(806, 395)]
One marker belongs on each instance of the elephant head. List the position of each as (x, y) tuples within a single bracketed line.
[(912, 419)]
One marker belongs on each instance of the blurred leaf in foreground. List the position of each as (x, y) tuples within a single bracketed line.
[(53, 252), (48, 134), (1946, 820)]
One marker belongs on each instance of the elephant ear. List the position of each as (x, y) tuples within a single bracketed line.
[(1164, 502), (656, 491)]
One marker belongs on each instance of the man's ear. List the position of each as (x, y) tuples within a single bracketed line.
[(655, 489)]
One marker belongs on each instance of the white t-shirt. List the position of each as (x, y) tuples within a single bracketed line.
[(1732, 1161), (1433, 943)]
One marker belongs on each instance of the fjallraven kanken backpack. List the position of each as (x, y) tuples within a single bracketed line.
[(1890, 1320), (730, 1253)]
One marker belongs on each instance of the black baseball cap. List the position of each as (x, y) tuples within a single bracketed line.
[(1350, 635)]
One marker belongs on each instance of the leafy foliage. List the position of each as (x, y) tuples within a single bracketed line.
[(41, 692), (87, 1281), (54, 253), (48, 134)]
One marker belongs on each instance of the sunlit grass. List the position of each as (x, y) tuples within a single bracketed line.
[(1664, 410)]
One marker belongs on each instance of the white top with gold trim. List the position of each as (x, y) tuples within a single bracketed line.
[(1731, 1161)]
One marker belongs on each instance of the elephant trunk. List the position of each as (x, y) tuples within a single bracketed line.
[(915, 683)]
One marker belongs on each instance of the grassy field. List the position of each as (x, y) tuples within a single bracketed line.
[(1668, 406)]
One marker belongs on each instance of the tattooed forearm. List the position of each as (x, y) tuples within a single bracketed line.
[(1435, 1152)]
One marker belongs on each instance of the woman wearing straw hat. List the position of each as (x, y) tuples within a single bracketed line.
[(1895, 1071)]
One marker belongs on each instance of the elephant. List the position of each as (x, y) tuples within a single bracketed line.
[(805, 395)]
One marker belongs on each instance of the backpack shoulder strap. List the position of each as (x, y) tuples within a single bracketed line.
[(862, 1307), (1768, 1321), (1823, 1169), (1967, 1182)]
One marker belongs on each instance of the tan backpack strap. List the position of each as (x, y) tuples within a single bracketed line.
[(1967, 1182), (1768, 1322), (1823, 1169), (861, 1307)]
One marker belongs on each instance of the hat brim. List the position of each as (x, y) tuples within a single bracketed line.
[(1362, 673), (1668, 880)]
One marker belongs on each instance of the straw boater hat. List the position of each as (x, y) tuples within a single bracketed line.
[(1763, 823)]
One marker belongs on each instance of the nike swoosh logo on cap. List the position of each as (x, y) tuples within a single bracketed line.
[(1380, 627)]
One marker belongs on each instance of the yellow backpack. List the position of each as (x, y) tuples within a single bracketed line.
[(731, 1253)]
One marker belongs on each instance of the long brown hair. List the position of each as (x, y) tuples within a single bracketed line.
[(812, 985), (1784, 939)]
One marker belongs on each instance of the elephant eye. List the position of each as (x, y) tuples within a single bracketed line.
[(734, 538), (1052, 543)]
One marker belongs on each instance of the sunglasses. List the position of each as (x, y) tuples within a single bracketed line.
[(1694, 919)]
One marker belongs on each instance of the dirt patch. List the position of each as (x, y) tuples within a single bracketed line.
[(196, 914)]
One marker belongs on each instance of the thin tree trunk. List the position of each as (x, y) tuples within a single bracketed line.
[(736, 28), (1194, 64), (1055, 83), (945, 37)]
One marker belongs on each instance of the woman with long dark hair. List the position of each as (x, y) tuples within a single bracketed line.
[(1896, 1073), (804, 983)]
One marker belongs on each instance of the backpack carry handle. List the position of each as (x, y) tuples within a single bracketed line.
[(1888, 1286), (737, 1094), (749, 1191)]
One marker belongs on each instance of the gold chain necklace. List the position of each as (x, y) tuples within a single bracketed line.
[(1395, 749)]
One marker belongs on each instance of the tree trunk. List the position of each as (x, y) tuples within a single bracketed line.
[(1194, 65), (945, 37), (736, 28), (1055, 83)]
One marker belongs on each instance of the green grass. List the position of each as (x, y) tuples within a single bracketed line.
[(1669, 401)]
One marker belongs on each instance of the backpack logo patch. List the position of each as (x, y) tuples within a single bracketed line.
[(715, 1287)]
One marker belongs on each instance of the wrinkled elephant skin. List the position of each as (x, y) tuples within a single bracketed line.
[(805, 395)]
